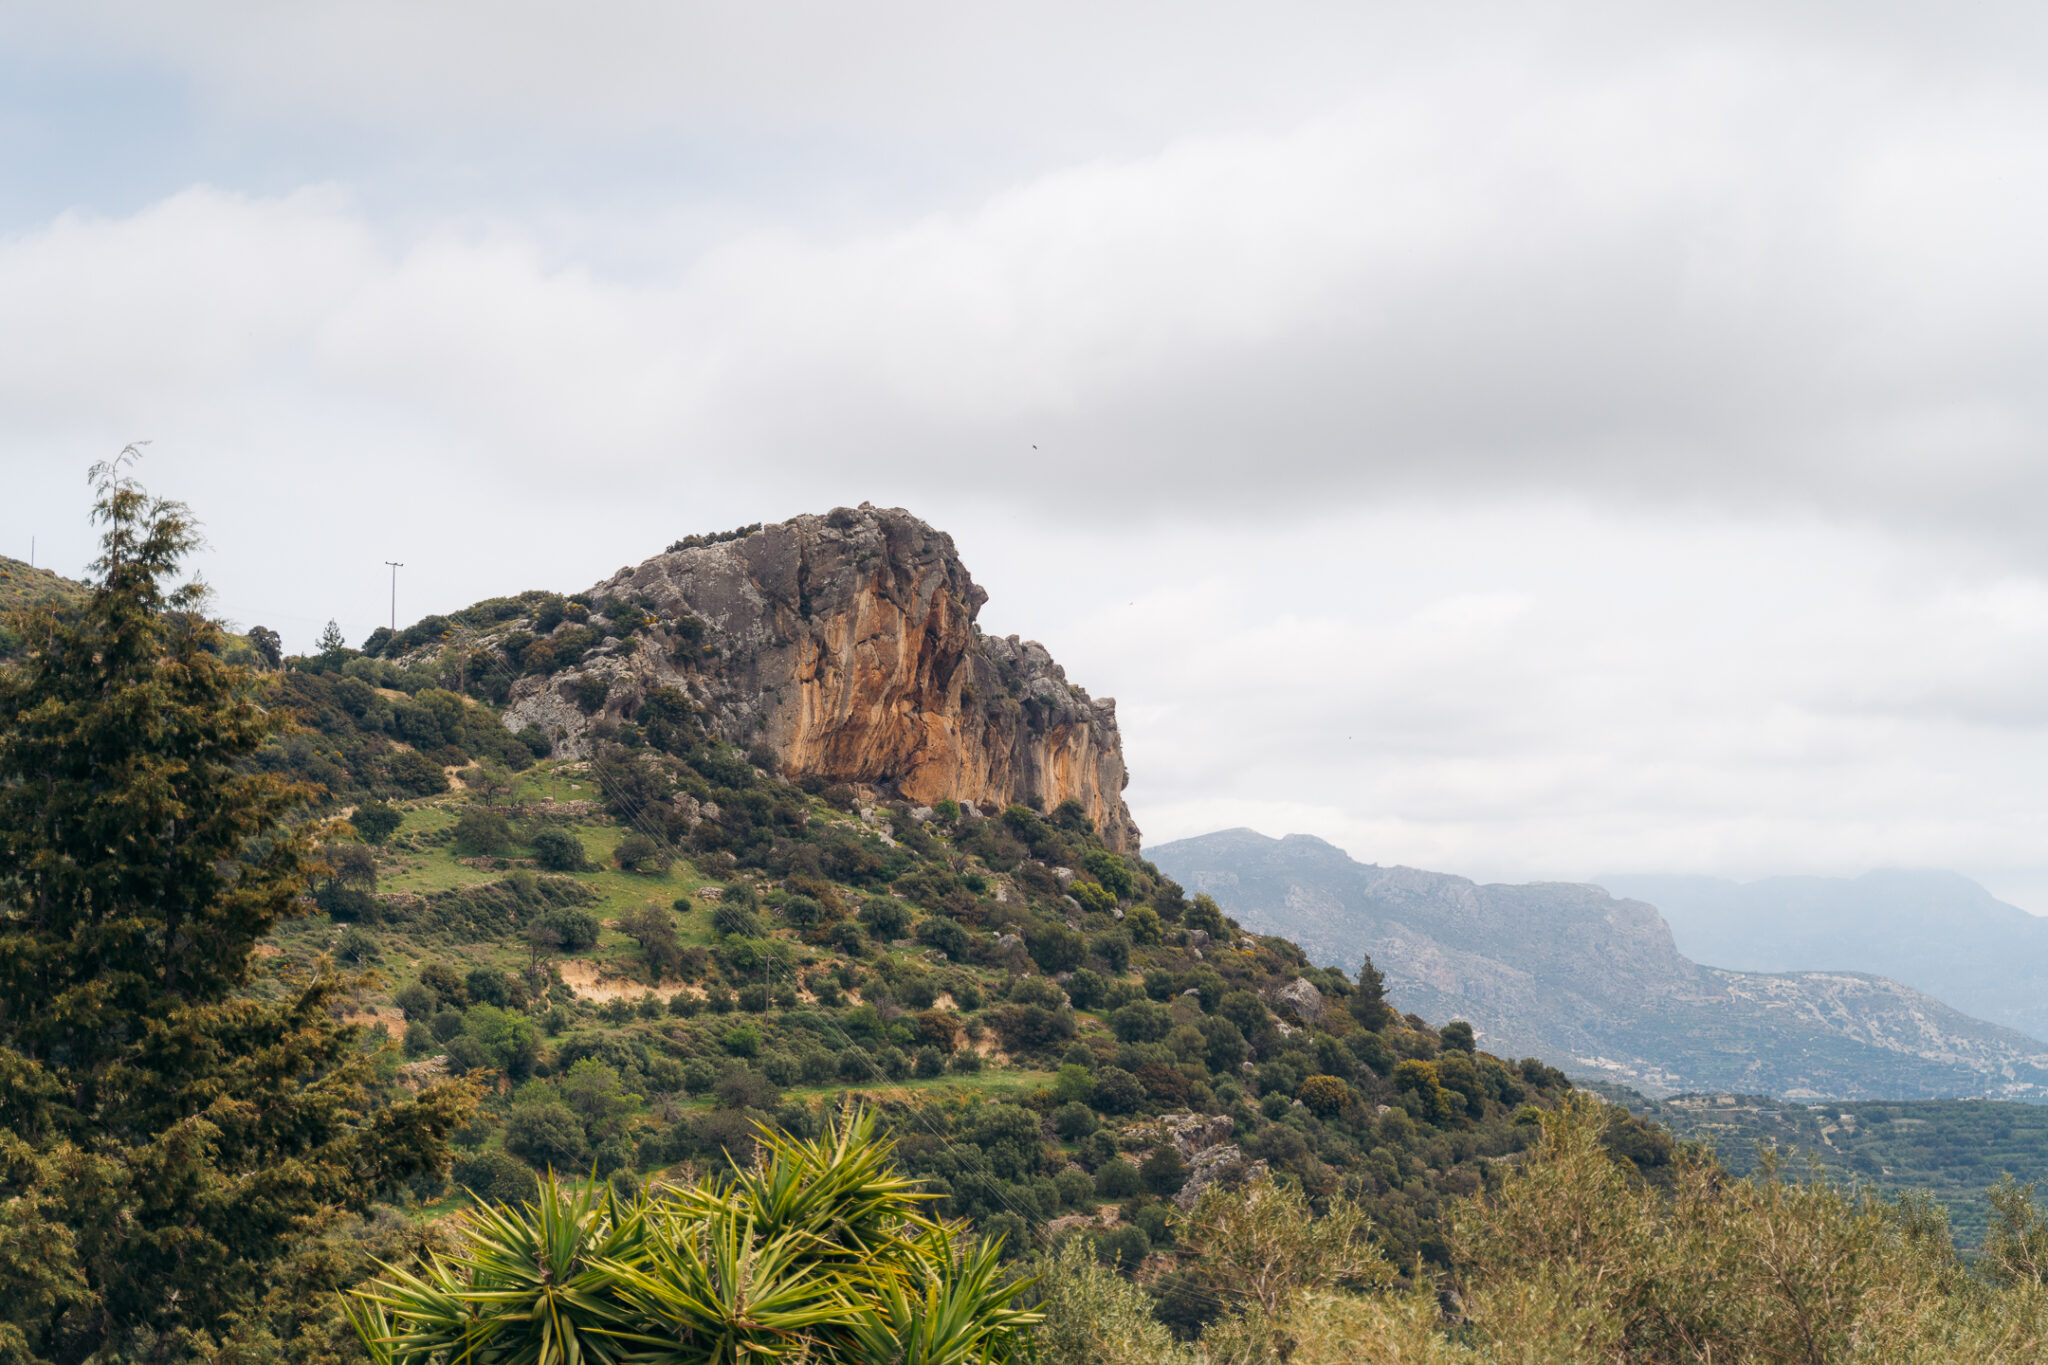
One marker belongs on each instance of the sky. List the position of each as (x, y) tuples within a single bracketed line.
[(1519, 441)]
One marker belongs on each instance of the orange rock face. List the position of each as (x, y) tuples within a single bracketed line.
[(846, 643)]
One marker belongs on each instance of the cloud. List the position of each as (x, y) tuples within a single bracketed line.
[(1518, 447)]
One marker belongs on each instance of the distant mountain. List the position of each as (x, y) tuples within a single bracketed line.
[(1936, 931), (1568, 973)]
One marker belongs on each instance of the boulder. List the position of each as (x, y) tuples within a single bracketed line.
[(1301, 997)]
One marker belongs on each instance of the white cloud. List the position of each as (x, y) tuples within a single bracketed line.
[(1534, 453)]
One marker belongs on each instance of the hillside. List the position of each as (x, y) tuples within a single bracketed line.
[(24, 587), (1953, 1150), (647, 935), (1597, 984), (1937, 932)]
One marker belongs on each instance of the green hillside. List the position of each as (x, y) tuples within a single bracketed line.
[(648, 950), (1952, 1149), (24, 588)]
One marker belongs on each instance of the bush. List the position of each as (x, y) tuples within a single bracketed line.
[(802, 911), (1323, 1096), (1117, 1091), (1074, 1121), (488, 987), (376, 821), (558, 850), (1117, 1179), (967, 1061), (948, 937), (482, 832), (589, 692), (885, 918), (930, 1062), (547, 1133), (729, 919), (414, 773), (639, 853), (1075, 1188), (576, 928), (1141, 1021), (1054, 947), (494, 1177), (1163, 1172), (1093, 897)]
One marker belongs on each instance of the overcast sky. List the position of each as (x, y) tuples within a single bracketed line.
[(1523, 441)]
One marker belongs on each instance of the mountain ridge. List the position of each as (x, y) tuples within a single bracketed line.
[(1939, 932), (1564, 970)]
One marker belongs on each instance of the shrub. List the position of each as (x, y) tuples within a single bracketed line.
[(494, 1177), (1093, 896), (487, 987), (589, 692), (1141, 1021), (730, 919), (1144, 925), (1114, 949), (1054, 947), (376, 821), (945, 935), (967, 1061), (547, 1133), (1457, 1036), (558, 850), (885, 917), (638, 852), (414, 773), (1074, 1121), (930, 1062), (1117, 1179), (1323, 1096), (802, 911), (857, 1065), (576, 928), (1163, 1172), (479, 831), (1117, 1091)]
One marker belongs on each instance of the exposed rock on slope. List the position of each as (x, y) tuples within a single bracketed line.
[(1568, 973), (846, 643)]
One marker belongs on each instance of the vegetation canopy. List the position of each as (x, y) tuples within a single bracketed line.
[(166, 1133)]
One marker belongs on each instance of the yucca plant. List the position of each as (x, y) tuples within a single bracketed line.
[(818, 1253), (529, 1286)]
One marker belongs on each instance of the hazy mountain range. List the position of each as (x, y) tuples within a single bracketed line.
[(1598, 985), (1935, 931)]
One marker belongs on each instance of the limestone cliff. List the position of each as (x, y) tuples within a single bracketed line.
[(846, 643)]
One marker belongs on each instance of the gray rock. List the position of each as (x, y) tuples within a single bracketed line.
[(1198, 937), (1301, 996), (920, 813)]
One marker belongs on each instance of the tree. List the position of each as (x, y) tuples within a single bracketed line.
[(331, 641), (655, 931), (169, 1136), (558, 850), (376, 821), (268, 643), (481, 831)]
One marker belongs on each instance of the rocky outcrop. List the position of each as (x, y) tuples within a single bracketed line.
[(847, 644)]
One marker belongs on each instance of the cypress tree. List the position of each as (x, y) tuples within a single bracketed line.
[(171, 1124)]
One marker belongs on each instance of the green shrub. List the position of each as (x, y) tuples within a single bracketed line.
[(413, 773), (558, 850), (576, 928), (547, 1133), (638, 852), (729, 919), (376, 821), (482, 832)]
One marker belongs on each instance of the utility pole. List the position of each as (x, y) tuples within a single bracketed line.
[(396, 565)]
